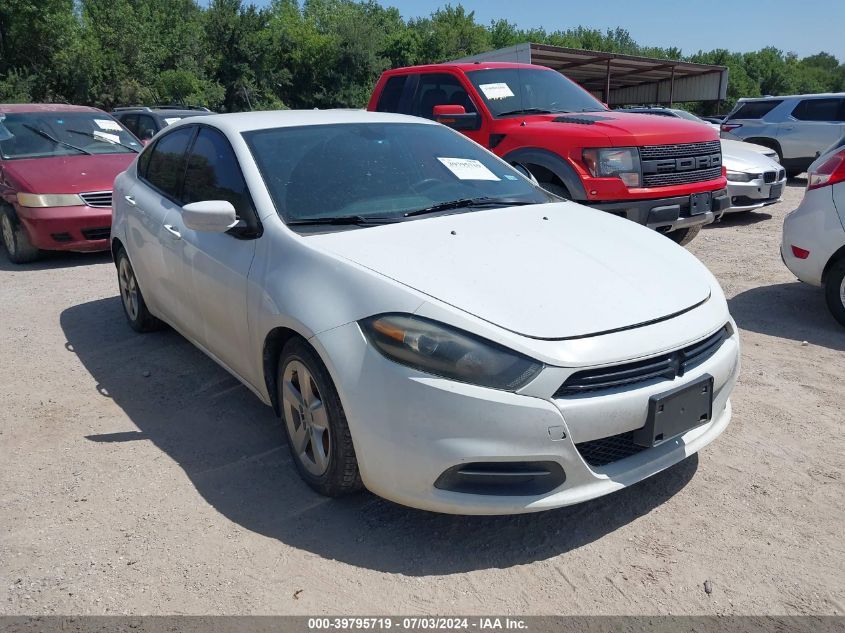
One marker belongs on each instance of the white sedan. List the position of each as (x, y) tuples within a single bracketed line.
[(427, 322), (755, 179), (813, 245)]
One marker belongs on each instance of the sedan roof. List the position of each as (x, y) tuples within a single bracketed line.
[(9, 108)]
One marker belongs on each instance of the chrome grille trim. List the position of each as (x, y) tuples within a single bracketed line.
[(97, 199)]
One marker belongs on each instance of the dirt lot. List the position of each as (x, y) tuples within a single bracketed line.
[(138, 477)]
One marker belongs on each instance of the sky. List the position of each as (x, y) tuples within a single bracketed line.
[(805, 28)]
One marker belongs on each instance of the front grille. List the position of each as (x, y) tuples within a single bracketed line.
[(781, 174), (682, 177), (770, 176), (61, 237), (666, 366), (98, 199), (99, 233), (609, 449), (650, 152)]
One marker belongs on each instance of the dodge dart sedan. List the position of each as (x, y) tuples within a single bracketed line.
[(426, 321)]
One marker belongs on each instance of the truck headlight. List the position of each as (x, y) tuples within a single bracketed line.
[(741, 176), (439, 349), (49, 200), (614, 162)]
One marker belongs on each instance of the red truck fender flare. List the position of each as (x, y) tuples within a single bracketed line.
[(550, 161)]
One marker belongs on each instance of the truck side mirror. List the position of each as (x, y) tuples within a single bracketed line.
[(455, 116)]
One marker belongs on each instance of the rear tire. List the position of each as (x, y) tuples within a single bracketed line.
[(18, 247), (134, 306), (834, 288), (684, 236), (315, 424)]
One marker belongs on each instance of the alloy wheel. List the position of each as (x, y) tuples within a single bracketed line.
[(306, 418), (128, 288), (842, 292)]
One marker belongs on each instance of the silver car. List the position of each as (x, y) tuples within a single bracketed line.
[(799, 128), (755, 179)]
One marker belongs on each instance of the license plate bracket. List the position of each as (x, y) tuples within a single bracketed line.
[(776, 191), (700, 203), (675, 412)]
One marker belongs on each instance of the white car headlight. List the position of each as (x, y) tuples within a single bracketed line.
[(49, 200), (439, 349), (741, 176)]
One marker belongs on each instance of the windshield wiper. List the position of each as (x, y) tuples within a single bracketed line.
[(358, 220), (50, 137), (103, 139), (462, 203), (529, 111)]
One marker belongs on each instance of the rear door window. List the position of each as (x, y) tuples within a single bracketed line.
[(754, 109), (165, 166), (819, 110), (131, 123), (391, 95), (146, 127)]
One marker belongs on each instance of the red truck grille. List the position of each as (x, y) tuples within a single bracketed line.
[(665, 165)]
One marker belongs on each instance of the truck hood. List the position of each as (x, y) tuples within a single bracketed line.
[(621, 129), (66, 174), (578, 272)]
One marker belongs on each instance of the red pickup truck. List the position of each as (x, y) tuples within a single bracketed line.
[(663, 172)]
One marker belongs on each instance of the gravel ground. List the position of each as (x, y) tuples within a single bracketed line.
[(138, 477)]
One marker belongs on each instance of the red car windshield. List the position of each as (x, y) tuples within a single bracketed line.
[(512, 91), (41, 134)]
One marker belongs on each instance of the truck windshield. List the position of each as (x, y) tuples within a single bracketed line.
[(359, 173), (41, 134), (514, 91)]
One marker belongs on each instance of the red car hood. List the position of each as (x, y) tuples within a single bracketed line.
[(66, 174), (619, 128)]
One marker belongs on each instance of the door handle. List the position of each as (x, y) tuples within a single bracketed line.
[(130, 200), (176, 235)]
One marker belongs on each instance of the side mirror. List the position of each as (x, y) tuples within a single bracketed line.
[(522, 169), (211, 216), (455, 116)]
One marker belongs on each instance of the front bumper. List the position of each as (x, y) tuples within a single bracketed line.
[(410, 428), (667, 214), (755, 194), (79, 228)]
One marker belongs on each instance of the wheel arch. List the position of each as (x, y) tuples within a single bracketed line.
[(274, 342), (552, 163), (834, 259), (116, 245), (766, 141)]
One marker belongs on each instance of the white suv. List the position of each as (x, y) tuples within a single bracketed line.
[(813, 246)]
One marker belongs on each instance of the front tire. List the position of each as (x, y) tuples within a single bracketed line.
[(835, 291), (134, 306), (684, 236), (318, 435), (18, 247)]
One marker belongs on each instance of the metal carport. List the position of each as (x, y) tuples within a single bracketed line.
[(620, 79)]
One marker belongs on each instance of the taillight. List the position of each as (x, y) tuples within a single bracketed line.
[(728, 127), (800, 253), (829, 172)]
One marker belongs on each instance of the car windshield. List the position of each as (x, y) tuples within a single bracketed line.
[(386, 171), (513, 91), (689, 116), (41, 134)]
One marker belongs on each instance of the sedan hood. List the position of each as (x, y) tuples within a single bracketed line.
[(745, 157), (548, 271), (66, 174)]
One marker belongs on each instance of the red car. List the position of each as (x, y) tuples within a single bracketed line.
[(57, 166), (662, 172)]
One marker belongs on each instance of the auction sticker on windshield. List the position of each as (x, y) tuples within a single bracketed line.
[(107, 124), (496, 91), (468, 169)]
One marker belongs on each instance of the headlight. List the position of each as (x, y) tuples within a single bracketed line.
[(741, 176), (436, 348), (618, 162), (49, 200)]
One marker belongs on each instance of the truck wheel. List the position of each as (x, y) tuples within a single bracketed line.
[(834, 288), (15, 239), (559, 190), (684, 236)]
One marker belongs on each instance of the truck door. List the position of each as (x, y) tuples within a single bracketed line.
[(446, 89)]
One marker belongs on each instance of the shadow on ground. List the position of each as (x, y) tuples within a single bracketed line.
[(740, 219), (55, 259), (233, 450), (791, 311)]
